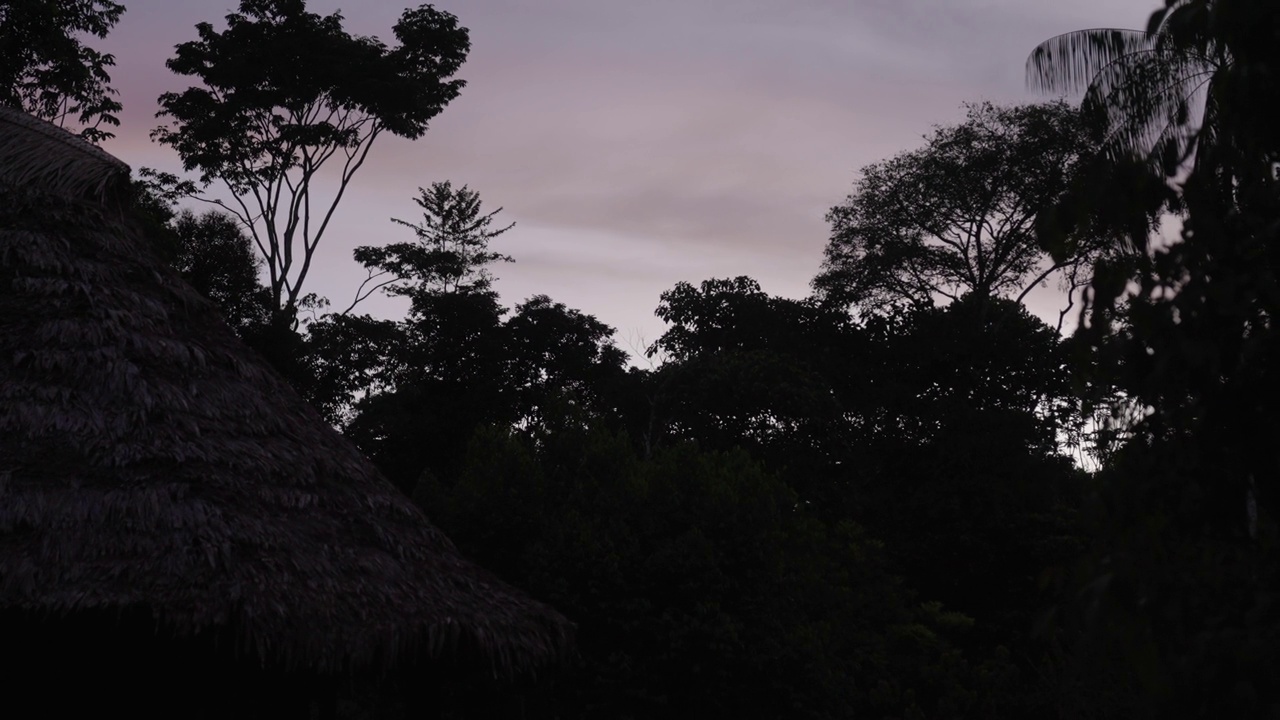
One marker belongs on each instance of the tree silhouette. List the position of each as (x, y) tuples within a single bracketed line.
[(1178, 599), (563, 369), (217, 258), (46, 71), (958, 215), (451, 254), (699, 586), (1155, 89), (284, 91)]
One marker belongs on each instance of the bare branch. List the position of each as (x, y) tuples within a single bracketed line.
[(362, 294)]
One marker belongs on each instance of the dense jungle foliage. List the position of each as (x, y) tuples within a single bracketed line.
[(904, 496)]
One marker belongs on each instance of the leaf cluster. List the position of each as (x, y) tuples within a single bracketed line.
[(218, 259), (698, 585), (282, 87), (47, 71), (1178, 597), (957, 215), (450, 255)]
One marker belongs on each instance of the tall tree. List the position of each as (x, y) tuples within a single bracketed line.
[(1180, 598), (447, 379), (282, 92), (47, 71), (447, 373), (451, 253), (958, 215)]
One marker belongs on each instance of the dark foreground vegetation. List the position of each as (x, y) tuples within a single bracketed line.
[(902, 497)]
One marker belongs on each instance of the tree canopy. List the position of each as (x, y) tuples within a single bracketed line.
[(958, 215), (1181, 587), (282, 92), (47, 71), (451, 253), (218, 259), (1154, 88), (860, 503)]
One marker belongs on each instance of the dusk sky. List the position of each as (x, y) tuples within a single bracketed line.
[(638, 144)]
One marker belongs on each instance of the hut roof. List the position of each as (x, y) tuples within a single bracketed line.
[(37, 154), (149, 460)]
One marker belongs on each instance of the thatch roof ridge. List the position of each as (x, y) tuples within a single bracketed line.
[(148, 460), (36, 153)]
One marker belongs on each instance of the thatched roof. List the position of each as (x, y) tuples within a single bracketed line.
[(34, 153), (148, 460)]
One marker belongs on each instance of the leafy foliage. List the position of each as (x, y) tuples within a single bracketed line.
[(1151, 87), (938, 429), (447, 378), (698, 586), (958, 215), (749, 370), (451, 254), (974, 356), (217, 259), (47, 71), (283, 91), (351, 357), (562, 368), (1181, 590)]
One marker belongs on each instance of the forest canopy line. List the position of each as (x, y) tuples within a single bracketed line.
[(902, 496)]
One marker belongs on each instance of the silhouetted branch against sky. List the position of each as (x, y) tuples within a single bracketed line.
[(278, 92), (638, 145)]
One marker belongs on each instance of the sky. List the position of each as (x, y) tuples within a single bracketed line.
[(639, 144)]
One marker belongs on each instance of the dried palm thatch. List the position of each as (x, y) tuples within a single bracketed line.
[(34, 153), (150, 461)]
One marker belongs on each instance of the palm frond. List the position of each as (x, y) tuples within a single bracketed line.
[(1207, 138), (1071, 62), (1148, 87), (1145, 97)]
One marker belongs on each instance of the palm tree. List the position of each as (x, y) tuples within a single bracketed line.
[(1153, 92), (1186, 568)]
